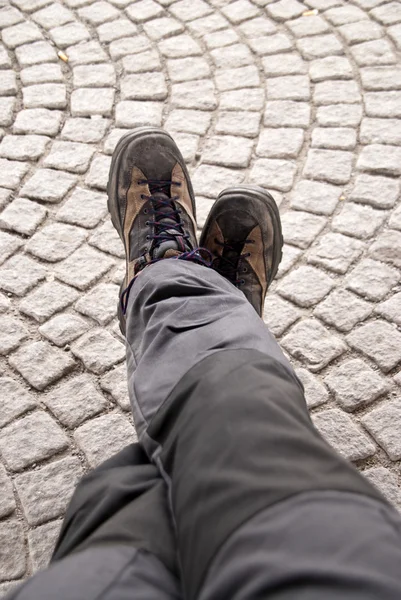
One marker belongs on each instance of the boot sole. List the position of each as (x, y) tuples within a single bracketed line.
[(269, 202)]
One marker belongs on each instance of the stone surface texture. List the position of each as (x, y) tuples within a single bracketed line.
[(254, 91)]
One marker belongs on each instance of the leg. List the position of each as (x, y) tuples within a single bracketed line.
[(262, 505), (116, 534), (252, 485)]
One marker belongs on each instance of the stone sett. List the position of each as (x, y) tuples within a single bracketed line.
[(305, 286), (319, 46), (98, 13), (279, 314), (99, 76), (42, 541), (38, 121), (384, 424), (380, 341), (330, 67), (86, 102), (36, 53), (336, 92), (379, 192), (144, 10), (343, 310), (100, 303), (142, 62), (335, 252), (63, 328), (358, 220), (53, 16), (8, 245), (311, 343), (372, 279), (253, 28), (284, 64), (386, 482), (229, 79), (339, 115), (334, 138), (302, 27), (131, 45), (227, 151), (247, 99), (136, 114), (7, 106), (7, 500), (115, 384), (291, 87), (387, 247), (20, 34), (210, 180), (355, 384), (45, 95), (388, 14), (316, 392), (103, 437), (114, 30), (83, 268), (380, 131), (84, 208), (46, 300), (87, 131), (376, 52), (280, 143), (19, 274), (334, 166), (45, 492), (343, 434), (86, 53), (290, 258), (271, 44), (23, 147), (30, 440), (379, 158), (13, 333), (381, 78), (98, 175), (240, 11), (70, 34), (286, 113), (301, 228), (218, 39), (383, 104), (273, 173), (12, 550), (69, 156), (395, 219), (361, 31), (238, 123), (48, 185), (98, 350), (74, 402)]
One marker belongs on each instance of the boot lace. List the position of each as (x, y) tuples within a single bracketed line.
[(229, 264)]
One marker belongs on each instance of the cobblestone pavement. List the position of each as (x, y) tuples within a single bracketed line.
[(304, 99)]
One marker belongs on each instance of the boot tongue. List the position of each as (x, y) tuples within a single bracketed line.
[(171, 246)]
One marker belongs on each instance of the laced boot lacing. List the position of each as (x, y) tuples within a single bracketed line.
[(168, 232), (230, 263)]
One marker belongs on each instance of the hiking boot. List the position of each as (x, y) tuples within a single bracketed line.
[(151, 203), (243, 233)]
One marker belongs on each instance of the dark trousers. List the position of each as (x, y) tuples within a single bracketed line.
[(231, 493)]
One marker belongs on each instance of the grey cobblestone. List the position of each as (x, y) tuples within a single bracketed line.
[(330, 67), (311, 343), (70, 34), (45, 492), (8, 245), (387, 248), (94, 76), (286, 113), (7, 500), (30, 440), (386, 482), (104, 436), (380, 131), (48, 185), (273, 173), (98, 350), (383, 104), (271, 44), (83, 268), (42, 541), (358, 221), (343, 310), (279, 314), (342, 433), (99, 303), (354, 384), (15, 401), (239, 123), (36, 53), (315, 391), (115, 383), (339, 115), (135, 114), (45, 95), (142, 62), (302, 27), (280, 143), (53, 16), (12, 554), (84, 130), (64, 328), (227, 151), (13, 333), (380, 341), (377, 52), (284, 64), (69, 156), (361, 31), (75, 402), (379, 192), (395, 219), (372, 279), (38, 120), (336, 252), (305, 286), (19, 274), (384, 425), (334, 138), (20, 34), (301, 228), (44, 301), (334, 166), (291, 87), (248, 99), (84, 208)]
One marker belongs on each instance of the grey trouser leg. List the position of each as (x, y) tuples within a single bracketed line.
[(116, 541), (263, 507)]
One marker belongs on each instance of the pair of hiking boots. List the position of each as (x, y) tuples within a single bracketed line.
[(152, 206)]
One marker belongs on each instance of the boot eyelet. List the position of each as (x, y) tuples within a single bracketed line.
[(148, 237), (147, 223), (245, 270), (242, 282), (145, 211)]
